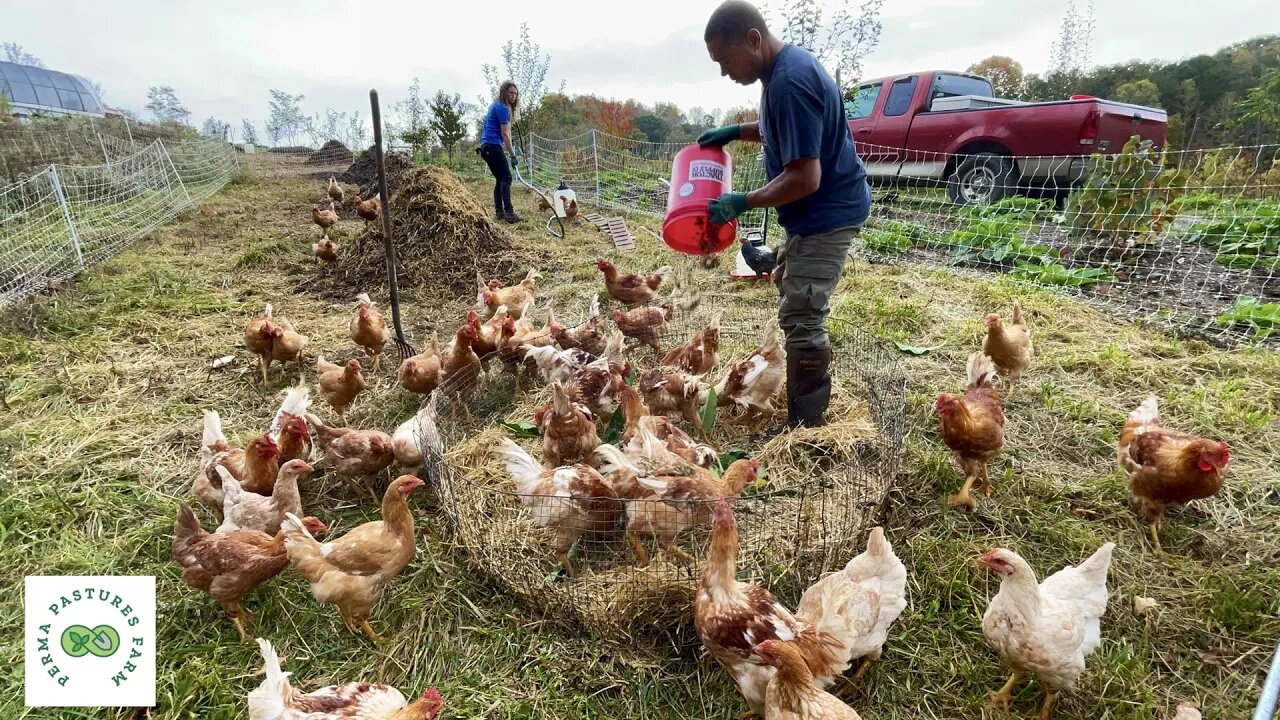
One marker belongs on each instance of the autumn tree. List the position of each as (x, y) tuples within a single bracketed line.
[(610, 116), (1005, 75), (448, 120), (840, 38)]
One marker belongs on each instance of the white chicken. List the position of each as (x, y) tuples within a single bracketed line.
[(405, 444), (842, 617), (753, 381), (556, 365), (1046, 629)]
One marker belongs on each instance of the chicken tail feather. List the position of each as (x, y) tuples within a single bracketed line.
[(524, 470), (1017, 313), (981, 370), (1147, 413), (212, 434), (185, 530), (268, 699)]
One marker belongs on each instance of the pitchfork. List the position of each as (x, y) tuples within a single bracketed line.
[(402, 345)]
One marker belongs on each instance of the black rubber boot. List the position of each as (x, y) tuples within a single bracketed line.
[(511, 217), (808, 387)]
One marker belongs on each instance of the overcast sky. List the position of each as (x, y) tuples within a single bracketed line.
[(222, 57)]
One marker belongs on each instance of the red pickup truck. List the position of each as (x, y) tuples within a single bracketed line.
[(935, 128)]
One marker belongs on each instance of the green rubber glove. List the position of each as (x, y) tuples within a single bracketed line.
[(514, 162), (727, 207), (721, 136)]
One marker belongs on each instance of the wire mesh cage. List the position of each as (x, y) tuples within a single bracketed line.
[(615, 555)]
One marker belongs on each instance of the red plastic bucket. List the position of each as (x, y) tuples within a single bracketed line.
[(698, 176)]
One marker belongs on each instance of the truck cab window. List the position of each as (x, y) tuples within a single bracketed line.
[(863, 100), (958, 85), (899, 100)]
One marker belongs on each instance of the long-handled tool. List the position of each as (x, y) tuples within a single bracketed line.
[(402, 345), (549, 200)]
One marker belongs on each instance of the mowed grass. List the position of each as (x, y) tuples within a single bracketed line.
[(103, 384)]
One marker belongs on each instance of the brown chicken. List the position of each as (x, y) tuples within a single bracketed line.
[(973, 427), (588, 336), (339, 384), (368, 209), (841, 617), (668, 390), (368, 329), (644, 324), (631, 289), (636, 417), (351, 571), (230, 565), (791, 693), (752, 382), (335, 191), (276, 699), (488, 333), (462, 371), (326, 251), (572, 500), (568, 432), (518, 298), (255, 466), (288, 345), (698, 355), (289, 427), (517, 338), (1009, 346), (260, 336), (593, 385), (354, 454), (1166, 466), (423, 372), (326, 219), (243, 510)]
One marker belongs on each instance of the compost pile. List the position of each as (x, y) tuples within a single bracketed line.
[(443, 237), (329, 153), (364, 172)]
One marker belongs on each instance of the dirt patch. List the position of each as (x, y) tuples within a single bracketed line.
[(329, 153), (443, 238), (364, 172)]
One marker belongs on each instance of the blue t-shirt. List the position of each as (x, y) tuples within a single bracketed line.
[(802, 116), (499, 114)]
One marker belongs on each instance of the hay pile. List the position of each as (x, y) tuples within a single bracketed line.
[(443, 238), (329, 153), (364, 172)]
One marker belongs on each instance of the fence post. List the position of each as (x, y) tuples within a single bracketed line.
[(165, 151), (66, 215), (595, 157)]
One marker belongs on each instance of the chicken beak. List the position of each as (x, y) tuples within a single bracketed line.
[(984, 560)]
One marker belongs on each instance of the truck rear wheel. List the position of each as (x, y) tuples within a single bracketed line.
[(983, 178)]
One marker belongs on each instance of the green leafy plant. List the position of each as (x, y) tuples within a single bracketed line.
[(1126, 199), (1014, 208), (1057, 274), (1243, 240), (894, 237), (522, 428), (1262, 318), (998, 240), (708, 414)]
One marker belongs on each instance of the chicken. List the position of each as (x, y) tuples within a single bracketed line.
[(276, 699), (368, 329), (326, 219), (542, 200), (516, 337), (631, 289), (255, 466), (572, 500), (423, 372), (556, 365), (335, 191), (488, 333), (698, 355), (843, 616), (1048, 629), (973, 427), (1166, 466), (588, 336), (644, 324), (229, 566), (293, 436), (594, 384), (516, 297), (368, 209), (636, 418), (752, 382), (669, 500), (352, 570), (406, 445), (1008, 346), (568, 432), (791, 693), (288, 344), (260, 336), (462, 371), (571, 210), (667, 390), (353, 453), (339, 384), (326, 250), (709, 261), (243, 510)]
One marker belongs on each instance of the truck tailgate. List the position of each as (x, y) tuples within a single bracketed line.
[(1117, 122)]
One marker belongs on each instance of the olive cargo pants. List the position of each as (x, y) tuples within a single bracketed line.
[(807, 272)]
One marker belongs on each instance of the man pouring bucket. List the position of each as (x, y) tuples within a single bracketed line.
[(817, 183)]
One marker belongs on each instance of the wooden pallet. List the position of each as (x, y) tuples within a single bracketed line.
[(616, 228)]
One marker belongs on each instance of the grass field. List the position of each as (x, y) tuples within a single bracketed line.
[(103, 386)]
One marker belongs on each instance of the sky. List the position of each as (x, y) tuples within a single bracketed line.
[(223, 57)]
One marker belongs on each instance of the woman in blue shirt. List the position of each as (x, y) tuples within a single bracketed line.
[(495, 146)]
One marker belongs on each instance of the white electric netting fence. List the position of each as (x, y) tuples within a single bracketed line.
[(1188, 240), (61, 218)]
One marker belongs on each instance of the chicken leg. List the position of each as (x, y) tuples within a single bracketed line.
[(1004, 695), (684, 557), (642, 554), (367, 629), (1154, 527), (263, 363), (1046, 710), (377, 361), (851, 683), (237, 615), (984, 480), (346, 618), (964, 498)]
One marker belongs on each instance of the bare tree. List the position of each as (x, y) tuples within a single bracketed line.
[(1072, 52), (356, 134), (526, 65), (14, 53), (841, 38)]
